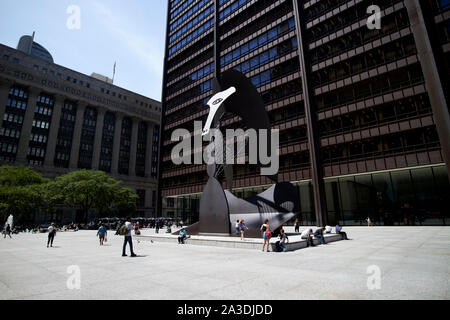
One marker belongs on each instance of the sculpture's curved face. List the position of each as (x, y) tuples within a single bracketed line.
[(214, 105)]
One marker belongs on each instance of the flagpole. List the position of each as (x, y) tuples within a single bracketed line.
[(114, 72)]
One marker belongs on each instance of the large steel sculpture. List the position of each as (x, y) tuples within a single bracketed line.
[(219, 208)]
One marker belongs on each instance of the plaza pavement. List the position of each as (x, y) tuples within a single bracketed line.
[(414, 263)]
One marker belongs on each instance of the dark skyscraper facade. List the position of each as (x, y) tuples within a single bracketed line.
[(362, 112)]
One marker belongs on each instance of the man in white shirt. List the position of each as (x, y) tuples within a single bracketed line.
[(51, 235), (128, 238), (306, 235), (328, 229)]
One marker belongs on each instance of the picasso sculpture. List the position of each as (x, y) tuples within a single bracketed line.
[(219, 208)]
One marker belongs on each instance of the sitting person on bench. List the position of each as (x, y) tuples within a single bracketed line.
[(306, 235), (319, 235), (339, 231), (182, 236), (280, 245), (328, 229)]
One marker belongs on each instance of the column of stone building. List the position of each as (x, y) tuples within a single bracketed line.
[(54, 129), (149, 150), (98, 138), (148, 167), (74, 154), (116, 148), (25, 134), (133, 149), (4, 93)]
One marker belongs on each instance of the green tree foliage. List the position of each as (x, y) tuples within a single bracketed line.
[(22, 191), (89, 189)]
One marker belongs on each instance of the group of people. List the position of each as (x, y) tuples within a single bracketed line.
[(280, 245)]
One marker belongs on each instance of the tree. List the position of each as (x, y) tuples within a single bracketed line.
[(90, 189), (22, 191)]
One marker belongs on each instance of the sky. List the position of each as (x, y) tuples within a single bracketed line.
[(131, 33)]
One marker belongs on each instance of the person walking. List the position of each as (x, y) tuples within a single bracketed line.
[(126, 232), (8, 231), (369, 222), (297, 225), (242, 228), (101, 233), (51, 235), (266, 233)]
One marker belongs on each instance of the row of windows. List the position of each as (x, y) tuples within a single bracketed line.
[(400, 78), (234, 7), (11, 117), (281, 92), (194, 22), (192, 36), (18, 92), (268, 56), (62, 156), (395, 111), (391, 52), (9, 132), (413, 140), (193, 77), (341, 20), (15, 60), (19, 104), (6, 147), (43, 110), (276, 72), (258, 42), (391, 23), (181, 8), (36, 152), (38, 138), (190, 94), (41, 124), (44, 99)]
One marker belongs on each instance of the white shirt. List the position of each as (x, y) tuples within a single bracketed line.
[(328, 229), (51, 229), (306, 233), (129, 226)]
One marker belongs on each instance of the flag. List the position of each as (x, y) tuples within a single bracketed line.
[(114, 71)]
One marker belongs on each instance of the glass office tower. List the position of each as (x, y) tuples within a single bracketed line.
[(363, 113)]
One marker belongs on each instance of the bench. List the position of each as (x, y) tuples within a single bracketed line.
[(299, 243)]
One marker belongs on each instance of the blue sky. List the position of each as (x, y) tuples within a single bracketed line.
[(131, 32)]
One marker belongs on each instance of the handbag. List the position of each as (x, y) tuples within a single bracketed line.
[(268, 234)]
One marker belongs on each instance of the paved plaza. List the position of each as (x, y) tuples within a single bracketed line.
[(414, 263)]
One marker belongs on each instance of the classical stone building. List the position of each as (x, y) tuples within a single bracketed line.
[(362, 112), (59, 120)]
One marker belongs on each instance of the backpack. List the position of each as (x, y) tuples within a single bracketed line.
[(123, 230), (268, 234)]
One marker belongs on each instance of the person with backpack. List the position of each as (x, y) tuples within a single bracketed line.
[(101, 233), (125, 231), (51, 234), (267, 234)]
